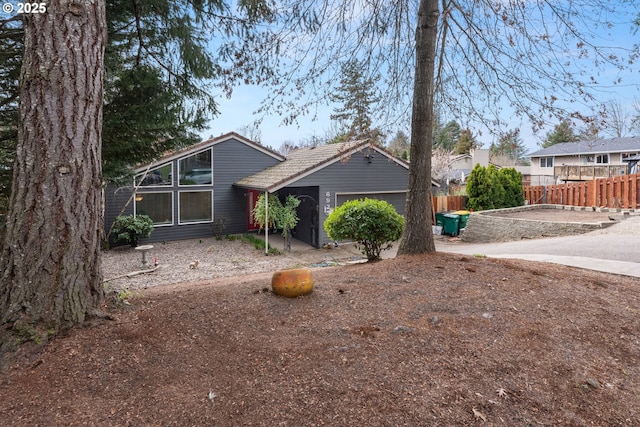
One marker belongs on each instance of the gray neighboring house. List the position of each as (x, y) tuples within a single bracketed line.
[(191, 192)]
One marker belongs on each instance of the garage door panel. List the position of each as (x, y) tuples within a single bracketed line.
[(396, 199)]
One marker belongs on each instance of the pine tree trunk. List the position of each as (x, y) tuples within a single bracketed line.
[(50, 268), (417, 236)]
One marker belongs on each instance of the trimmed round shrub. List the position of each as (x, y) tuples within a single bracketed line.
[(372, 224), (129, 228)]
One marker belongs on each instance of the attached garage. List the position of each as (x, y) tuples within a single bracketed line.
[(395, 198), (326, 176)]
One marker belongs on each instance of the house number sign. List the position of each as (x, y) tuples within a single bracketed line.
[(327, 203)]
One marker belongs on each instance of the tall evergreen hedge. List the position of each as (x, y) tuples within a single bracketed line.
[(493, 188)]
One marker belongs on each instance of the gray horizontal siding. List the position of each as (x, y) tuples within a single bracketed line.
[(396, 199), (186, 231), (115, 199), (232, 161), (356, 175)]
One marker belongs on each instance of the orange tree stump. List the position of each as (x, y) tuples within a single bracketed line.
[(292, 283)]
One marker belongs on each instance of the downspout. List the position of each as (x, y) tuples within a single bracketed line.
[(266, 223)]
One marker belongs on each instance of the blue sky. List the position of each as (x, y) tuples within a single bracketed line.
[(237, 112)]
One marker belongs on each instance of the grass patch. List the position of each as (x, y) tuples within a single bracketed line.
[(255, 241)]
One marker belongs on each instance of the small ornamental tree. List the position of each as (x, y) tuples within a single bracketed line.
[(283, 217), (130, 229), (260, 213), (373, 224), (498, 192), (479, 189)]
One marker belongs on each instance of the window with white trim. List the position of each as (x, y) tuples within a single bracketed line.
[(546, 162), (159, 176), (602, 159), (158, 206), (196, 169), (195, 206)]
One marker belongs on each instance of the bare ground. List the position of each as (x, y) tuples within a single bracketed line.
[(431, 340)]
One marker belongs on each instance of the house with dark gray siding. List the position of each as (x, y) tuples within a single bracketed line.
[(214, 185), (190, 192)]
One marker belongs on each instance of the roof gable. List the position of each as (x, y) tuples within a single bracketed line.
[(201, 146), (305, 161)]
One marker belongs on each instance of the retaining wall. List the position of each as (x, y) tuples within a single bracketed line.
[(482, 227)]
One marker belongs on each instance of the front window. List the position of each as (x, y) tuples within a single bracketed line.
[(196, 169), (546, 162), (158, 206), (602, 159), (196, 206), (155, 177)]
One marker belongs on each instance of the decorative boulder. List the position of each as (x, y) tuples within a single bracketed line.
[(292, 283)]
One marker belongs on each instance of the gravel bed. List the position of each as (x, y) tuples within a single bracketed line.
[(216, 258), (227, 258)]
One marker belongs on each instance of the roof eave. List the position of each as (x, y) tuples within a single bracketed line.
[(204, 145)]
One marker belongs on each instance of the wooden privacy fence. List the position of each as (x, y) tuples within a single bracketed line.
[(620, 192), (449, 203)]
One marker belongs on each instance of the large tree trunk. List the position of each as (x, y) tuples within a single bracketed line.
[(417, 236), (50, 266)]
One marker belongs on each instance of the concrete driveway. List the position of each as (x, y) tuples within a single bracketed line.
[(615, 249), (612, 250)]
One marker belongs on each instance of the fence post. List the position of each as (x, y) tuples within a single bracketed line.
[(634, 192), (591, 193)]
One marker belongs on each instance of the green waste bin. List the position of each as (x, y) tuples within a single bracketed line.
[(451, 224), (464, 217), (440, 219)]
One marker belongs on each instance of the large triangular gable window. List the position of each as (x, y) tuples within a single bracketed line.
[(196, 169), (157, 177)]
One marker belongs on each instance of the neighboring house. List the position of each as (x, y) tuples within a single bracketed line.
[(462, 165), (193, 192), (584, 160)]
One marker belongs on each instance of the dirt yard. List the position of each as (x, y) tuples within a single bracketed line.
[(433, 340)]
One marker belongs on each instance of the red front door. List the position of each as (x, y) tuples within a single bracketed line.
[(252, 199)]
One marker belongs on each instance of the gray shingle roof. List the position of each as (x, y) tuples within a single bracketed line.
[(304, 161), (612, 145)]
